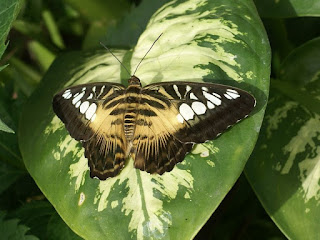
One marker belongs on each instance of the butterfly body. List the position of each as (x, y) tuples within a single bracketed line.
[(156, 125)]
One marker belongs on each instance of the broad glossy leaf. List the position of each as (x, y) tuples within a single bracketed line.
[(220, 41), (8, 12), (284, 168), (289, 8)]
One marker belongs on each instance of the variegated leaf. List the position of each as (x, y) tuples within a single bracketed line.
[(284, 169), (216, 41)]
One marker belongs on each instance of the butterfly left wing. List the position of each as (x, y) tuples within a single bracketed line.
[(89, 114), (181, 114)]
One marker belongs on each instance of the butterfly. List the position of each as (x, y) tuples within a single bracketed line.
[(157, 125)]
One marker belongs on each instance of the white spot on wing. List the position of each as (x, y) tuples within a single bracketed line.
[(232, 90), (94, 89), (199, 108), (91, 111), (78, 104), (67, 94), (77, 98), (233, 94), (192, 96), (188, 88), (84, 106), (210, 105), (186, 111), (216, 95), (205, 89), (227, 96), (175, 88), (180, 118), (212, 98), (90, 96)]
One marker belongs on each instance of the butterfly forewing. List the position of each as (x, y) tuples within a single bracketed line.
[(88, 112), (201, 111)]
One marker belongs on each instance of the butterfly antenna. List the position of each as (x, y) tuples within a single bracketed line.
[(147, 53), (115, 57)]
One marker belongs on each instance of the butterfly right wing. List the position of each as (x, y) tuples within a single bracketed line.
[(89, 114), (175, 115)]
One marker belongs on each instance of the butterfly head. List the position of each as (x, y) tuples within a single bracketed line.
[(134, 81)]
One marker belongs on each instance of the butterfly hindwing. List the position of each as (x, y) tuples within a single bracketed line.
[(88, 112), (155, 147)]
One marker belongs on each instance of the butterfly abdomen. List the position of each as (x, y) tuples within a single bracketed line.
[(132, 100)]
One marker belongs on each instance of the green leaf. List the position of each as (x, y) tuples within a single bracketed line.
[(5, 128), (100, 10), (220, 41), (132, 25), (8, 175), (284, 168), (53, 29), (64, 232), (8, 12), (41, 54), (11, 229), (287, 9)]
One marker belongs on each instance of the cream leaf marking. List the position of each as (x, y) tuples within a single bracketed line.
[(212, 98), (91, 111), (84, 106), (148, 217), (82, 197), (192, 96), (175, 88), (199, 108), (186, 111)]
